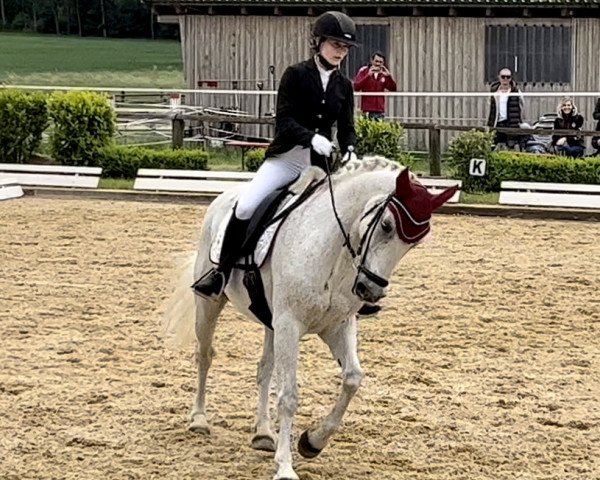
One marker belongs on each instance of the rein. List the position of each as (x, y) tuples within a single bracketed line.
[(365, 241)]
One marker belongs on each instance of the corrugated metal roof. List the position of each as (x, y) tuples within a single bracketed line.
[(395, 3)]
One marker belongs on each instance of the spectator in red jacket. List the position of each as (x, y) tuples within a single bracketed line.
[(374, 77)]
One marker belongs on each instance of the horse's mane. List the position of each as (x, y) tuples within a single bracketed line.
[(368, 164)]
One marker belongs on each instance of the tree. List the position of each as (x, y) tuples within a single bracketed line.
[(103, 17), (56, 7), (78, 15), (3, 13)]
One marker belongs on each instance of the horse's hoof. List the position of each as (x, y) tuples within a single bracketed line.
[(199, 426), (305, 448), (287, 477), (263, 442)]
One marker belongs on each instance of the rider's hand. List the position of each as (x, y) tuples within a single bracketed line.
[(322, 145)]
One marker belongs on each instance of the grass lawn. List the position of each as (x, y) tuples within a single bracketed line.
[(27, 59)]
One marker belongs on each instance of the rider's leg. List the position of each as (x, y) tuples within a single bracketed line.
[(212, 284), (272, 174)]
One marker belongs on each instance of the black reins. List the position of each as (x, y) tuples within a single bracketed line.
[(365, 241)]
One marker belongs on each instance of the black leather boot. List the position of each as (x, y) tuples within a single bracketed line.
[(212, 284), (368, 309)]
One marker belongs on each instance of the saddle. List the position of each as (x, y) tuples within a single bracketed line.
[(261, 234)]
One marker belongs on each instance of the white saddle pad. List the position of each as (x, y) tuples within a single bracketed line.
[(263, 246)]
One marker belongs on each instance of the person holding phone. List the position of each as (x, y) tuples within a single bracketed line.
[(374, 77)]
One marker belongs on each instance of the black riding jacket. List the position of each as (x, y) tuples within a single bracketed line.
[(304, 109)]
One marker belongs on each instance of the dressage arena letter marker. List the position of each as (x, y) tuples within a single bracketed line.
[(477, 167)]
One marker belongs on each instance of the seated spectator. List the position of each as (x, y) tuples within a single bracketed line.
[(596, 140), (568, 119), (537, 143)]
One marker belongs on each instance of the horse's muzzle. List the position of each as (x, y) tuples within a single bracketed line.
[(368, 291)]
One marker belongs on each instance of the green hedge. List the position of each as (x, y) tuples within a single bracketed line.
[(529, 167), (513, 165), (120, 161), (23, 119), (84, 123)]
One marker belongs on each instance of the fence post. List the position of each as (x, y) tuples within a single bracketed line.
[(178, 132), (435, 151)]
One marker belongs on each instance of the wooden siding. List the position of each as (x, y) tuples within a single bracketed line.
[(439, 54)]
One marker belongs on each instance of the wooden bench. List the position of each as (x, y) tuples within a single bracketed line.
[(245, 146), (188, 180), (437, 185), (550, 194), (9, 188), (51, 175)]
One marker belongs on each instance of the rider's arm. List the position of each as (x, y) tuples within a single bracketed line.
[(287, 106)]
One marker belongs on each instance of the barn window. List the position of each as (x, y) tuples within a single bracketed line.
[(535, 54), (372, 38)]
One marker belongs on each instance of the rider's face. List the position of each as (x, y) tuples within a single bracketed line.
[(334, 51)]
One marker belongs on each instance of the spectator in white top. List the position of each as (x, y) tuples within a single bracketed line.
[(506, 107)]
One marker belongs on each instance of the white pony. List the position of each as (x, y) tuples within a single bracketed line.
[(314, 283)]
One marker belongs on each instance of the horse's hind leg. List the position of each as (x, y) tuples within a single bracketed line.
[(263, 438), (207, 312), (342, 343)]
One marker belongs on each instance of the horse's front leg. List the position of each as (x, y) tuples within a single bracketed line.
[(263, 438), (343, 345), (286, 346)]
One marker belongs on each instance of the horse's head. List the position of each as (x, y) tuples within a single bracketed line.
[(389, 227)]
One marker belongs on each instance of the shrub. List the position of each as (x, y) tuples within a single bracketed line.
[(23, 119), (118, 161), (462, 149), (84, 123), (380, 138), (254, 159)]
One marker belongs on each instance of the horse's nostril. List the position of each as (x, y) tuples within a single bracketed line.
[(361, 288)]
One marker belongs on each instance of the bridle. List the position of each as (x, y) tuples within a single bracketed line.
[(392, 202)]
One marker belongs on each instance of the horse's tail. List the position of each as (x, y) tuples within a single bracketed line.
[(179, 319)]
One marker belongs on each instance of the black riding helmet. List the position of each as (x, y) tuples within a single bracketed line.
[(336, 26)]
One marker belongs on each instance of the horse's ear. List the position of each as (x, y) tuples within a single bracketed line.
[(403, 185), (438, 200)]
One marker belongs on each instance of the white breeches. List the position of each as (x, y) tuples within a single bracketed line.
[(275, 172)]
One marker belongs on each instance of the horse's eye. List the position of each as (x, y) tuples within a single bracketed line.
[(386, 226)]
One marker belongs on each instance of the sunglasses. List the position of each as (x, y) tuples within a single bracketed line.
[(506, 77)]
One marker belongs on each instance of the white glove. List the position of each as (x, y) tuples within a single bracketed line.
[(349, 156), (321, 145)]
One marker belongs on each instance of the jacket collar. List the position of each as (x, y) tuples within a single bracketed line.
[(496, 85), (316, 76)]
